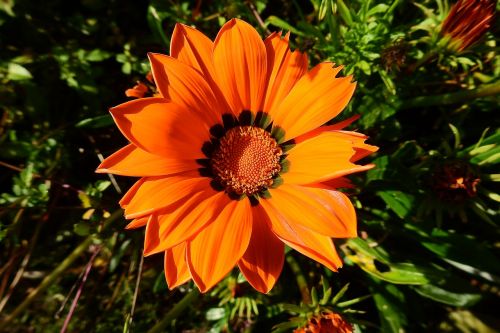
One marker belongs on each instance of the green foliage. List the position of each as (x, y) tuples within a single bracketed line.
[(427, 256)]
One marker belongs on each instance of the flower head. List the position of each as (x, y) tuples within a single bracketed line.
[(455, 181), (234, 159), (467, 22), (393, 57), (326, 322)]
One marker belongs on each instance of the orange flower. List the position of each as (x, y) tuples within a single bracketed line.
[(138, 91), (141, 89), (326, 322), (467, 21), (232, 159)]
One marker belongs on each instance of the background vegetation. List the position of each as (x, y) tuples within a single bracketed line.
[(427, 256)]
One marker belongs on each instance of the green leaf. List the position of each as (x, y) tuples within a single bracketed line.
[(294, 308), (102, 185), (284, 327), (155, 18), (97, 55), (16, 72), (402, 273), (438, 294), (382, 168), (117, 256), (160, 285), (345, 13), (81, 229), (96, 122), (365, 67), (408, 150), (456, 135), (467, 322), (340, 294), (390, 302), (377, 9), (214, 314), (376, 264), (314, 296), (6, 6), (389, 84), (276, 21), (490, 141), (461, 251), (400, 202), (490, 157), (324, 7), (84, 199)]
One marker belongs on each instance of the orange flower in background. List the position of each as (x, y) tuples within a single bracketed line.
[(143, 89), (137, 91), (467, 22), (326, 322), (233, 160)]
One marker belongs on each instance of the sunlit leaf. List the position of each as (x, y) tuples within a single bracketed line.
[(16, 72)]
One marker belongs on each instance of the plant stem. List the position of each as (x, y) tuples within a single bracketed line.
[(453, 98), (79, 291), (175, 311), (301, 280), (136, 293), (49, 279), (391, 9), (22, 268)]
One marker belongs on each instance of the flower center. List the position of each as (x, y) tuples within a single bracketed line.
[(246, 160)]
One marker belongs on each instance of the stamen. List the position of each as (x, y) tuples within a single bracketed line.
[(246, 160)]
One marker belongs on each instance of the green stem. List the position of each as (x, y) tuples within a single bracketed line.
[(391, 8), (301, 280), (453, 98), (333, 24), (49, 279), (175, 311)]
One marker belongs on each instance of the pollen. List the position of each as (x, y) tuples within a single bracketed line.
[(246, 160)]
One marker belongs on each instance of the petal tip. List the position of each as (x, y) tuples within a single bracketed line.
[(100, 169)]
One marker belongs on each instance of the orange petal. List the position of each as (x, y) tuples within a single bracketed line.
[(263, 260), (176, 268), (316, 98), (338, 126), (323, 157), (285, 67), (217, 248), (341, 209), (333, 184), (362, 149), (358, 140), (241, 66), (137, 223), (179, 223), (193, 48), (152, 235), (125, 200), (185, 86), (133, 161), (326, 212), (157, 192), (307, 242), (162, 128)]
